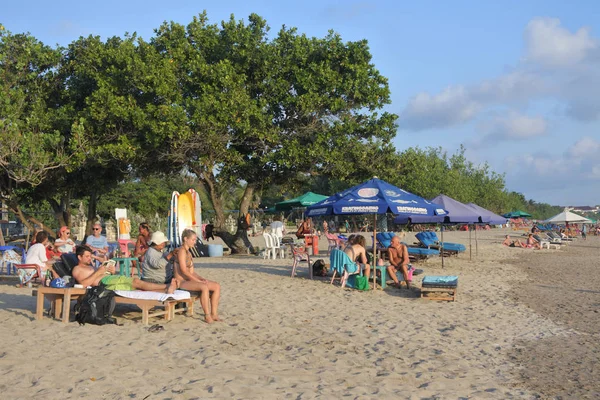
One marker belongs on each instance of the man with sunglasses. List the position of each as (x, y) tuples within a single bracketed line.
[(98, 243)]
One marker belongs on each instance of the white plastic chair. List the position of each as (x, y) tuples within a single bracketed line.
[(268, 246), (277, 247)]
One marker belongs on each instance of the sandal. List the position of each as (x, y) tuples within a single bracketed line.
[(156, 328)]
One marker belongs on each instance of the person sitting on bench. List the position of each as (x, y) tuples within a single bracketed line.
[(398, 256), (85, 275), (184, 272)]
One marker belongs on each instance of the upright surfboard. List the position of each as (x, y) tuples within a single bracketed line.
[(172, 231), (185, 212), (197, 216)]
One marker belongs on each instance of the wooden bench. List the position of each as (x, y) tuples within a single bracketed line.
[(430, 286), (61, 304)]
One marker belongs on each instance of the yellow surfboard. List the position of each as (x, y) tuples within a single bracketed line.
[(185, 211)]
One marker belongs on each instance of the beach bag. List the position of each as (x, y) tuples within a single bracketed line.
[(319, 268), (361, 283), (96, 307)]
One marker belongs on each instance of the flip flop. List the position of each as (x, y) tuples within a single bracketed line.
[(156, 328)]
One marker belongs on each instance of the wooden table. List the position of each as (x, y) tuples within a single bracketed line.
[(61, 300)]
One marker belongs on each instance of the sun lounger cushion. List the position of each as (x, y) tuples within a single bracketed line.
[(143, 295), (422, 251), (440, 281)]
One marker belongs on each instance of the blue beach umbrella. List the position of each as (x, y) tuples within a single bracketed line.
[(375, 197)]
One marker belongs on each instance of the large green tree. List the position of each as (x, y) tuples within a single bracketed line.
[(31, 148), (266, 112)]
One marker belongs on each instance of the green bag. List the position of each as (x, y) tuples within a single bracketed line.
[(362, 283)]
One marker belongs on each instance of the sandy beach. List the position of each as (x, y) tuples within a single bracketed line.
[(525, 326)]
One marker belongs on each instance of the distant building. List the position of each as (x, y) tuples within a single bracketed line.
[(584, 209)]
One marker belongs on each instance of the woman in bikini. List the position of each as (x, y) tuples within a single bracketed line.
[(141, 245), (210, 292), (532, 243)]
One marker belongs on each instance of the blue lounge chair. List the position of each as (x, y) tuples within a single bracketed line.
[(417, 253), (431, 241)]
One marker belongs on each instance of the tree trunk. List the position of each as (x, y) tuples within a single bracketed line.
[(62, 211), (28, 220), (91, 215)]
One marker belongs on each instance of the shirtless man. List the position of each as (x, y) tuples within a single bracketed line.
[(398, 255), (516, 243), (85, 275), (210, 292)]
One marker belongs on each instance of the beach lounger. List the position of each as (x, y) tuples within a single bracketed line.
[(438, 285), (430, 240), (61, 302), (546, 243)]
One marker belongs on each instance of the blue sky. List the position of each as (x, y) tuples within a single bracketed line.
[(517, 83)]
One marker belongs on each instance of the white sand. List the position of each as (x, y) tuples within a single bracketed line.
[(289, 337)]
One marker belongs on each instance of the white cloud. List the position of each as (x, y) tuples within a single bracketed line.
[(549, 43), (578, 164), (450, 107), (510, 127), (560, 66), (585, 147)]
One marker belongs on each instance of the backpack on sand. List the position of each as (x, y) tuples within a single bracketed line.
[(319, 268), (96, 307)]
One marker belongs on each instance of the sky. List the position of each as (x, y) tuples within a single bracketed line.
[(516, 82)]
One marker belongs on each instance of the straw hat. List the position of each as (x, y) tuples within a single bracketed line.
[(158, 238)]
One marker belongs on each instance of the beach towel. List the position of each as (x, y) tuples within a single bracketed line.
[(143, 295), (339, 261), (445, 281)]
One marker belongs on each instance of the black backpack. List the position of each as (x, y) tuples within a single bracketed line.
[(319, 268), (96, 307)]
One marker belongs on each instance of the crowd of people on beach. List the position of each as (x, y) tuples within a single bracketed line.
[(161, 271)]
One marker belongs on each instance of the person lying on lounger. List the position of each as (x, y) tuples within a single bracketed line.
[(210, 292), (515, 243), (85, 275)]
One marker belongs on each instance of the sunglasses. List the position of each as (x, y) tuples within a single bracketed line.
[(97, 229), (68, 233)]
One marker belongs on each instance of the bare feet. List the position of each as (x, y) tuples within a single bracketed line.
[(208, 319), (172, 287), (215, 318)]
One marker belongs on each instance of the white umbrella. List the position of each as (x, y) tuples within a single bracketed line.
[(568, 216)]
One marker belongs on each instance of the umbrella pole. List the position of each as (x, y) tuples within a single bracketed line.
[(470, 247), (442, 243), (374, 266), (476, 246)]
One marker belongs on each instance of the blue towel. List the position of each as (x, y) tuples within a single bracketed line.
[(339, 261), (449, 280)]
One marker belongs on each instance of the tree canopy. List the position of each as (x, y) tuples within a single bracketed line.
[(247, 114)]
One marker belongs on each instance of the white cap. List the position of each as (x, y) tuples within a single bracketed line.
[(158, 238)]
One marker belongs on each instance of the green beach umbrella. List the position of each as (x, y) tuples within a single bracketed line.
[(305, 200), (516, 214)]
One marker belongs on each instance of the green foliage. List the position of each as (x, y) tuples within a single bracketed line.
[(29, 146)]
